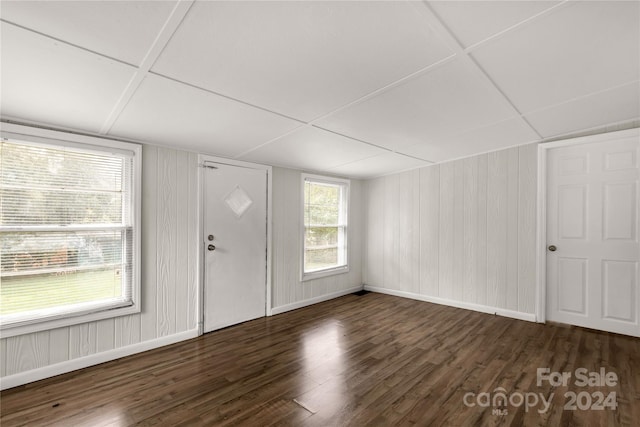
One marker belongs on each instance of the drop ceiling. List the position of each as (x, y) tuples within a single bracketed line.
[(359, 88)]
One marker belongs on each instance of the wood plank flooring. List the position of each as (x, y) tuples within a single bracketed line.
[(371, 360)]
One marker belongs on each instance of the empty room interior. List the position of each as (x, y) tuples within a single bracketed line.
[(319, 213)]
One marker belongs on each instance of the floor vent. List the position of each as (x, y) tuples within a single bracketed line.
[(362, 292)]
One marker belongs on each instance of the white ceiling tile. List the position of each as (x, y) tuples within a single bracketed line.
[(50, 82), (379, 165), (312, 148), (444, 101), (616, 105), (166, 112), (301, 59), (474, 21), (489, 138), (123, 30), (576, 50)]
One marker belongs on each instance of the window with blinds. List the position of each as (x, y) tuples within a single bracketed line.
[(68, 229), (325, 217)]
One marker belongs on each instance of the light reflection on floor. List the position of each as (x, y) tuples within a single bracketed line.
[(324, 362)]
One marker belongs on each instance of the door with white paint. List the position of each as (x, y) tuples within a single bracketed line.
[(592, 235), (235, 244)]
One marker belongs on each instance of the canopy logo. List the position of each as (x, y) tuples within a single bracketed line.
[(499, 400)]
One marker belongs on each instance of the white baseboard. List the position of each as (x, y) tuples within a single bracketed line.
[(93, 359), (311, 301), (453, 303)]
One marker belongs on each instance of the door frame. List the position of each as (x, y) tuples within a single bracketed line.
[(541, 240), (202, 158)]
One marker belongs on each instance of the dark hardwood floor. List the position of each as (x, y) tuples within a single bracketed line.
[(370, 360)]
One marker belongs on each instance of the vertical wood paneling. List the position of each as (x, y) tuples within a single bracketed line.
[(58, 345), (294, 249), (391, 231), (447, 207), (408, 236), (481, 263), (149, 318), (167, 212), (286, 236), (192, 244), (497, 229), (182, 240), (288, 216), (27, 352), (277, 243), (415, 231), (127, 330), (470, 229), (458, 229), (429, 229), (82, 340), (375, 233), (527, 208), (3, 358), (512, 229), (356, 238), (105, 331), (477, 219)]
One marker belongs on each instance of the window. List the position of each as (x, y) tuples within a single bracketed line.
[(69, 232), (325, 214)]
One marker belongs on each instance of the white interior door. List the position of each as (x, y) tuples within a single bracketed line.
[(592, 223), (235, 244)]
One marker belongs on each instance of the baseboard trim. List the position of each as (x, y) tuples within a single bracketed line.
[(311, 301), (453, 303), (37, 374)]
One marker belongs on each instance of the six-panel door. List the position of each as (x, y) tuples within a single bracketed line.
[(592, 220)]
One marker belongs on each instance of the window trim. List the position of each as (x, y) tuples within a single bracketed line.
[(29, 134), (327, 271)]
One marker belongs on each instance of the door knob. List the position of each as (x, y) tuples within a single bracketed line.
[(211, 247), (552, 248)]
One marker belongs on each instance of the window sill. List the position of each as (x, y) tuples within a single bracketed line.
[(324, 273), (69, 320)]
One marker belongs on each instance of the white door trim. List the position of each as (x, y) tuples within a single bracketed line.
[(202, 158), (541, 241)]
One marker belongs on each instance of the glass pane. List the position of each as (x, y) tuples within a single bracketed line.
[(52, 269), (58, 167), (317, 259), (58, 186), (21, 294), (323, 215), (321, 236), (324, 194), (56, 207)]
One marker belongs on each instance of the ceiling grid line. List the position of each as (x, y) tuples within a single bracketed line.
[(520, 24), (65, 42), (387, 87), (312, 123), (230, 98), (577, 98), (168, 29), (441, 29)]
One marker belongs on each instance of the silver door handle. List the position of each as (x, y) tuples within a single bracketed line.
[(211, 247)]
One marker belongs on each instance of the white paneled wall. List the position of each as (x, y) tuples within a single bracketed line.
[(460, 233), (169, 275), (288, 291)]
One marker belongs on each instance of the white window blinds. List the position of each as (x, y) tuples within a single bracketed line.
[(67, 229)]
